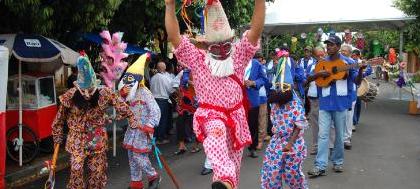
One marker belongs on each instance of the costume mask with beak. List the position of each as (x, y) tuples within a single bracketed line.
[(133, 78)]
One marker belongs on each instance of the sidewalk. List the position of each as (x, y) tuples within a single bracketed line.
[(19, 176)]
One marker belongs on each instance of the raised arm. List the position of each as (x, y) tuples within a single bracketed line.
[(257, 22), (171, 23)]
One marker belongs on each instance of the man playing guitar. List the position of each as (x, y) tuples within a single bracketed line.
[(334, 101)]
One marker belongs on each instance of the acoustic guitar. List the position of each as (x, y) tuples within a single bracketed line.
[(338, 69)]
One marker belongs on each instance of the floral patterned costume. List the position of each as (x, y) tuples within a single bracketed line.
[(87, 137), (137, 141), (220, 119), (280, 165)]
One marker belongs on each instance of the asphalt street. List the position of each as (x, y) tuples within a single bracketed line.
[(385, 155)]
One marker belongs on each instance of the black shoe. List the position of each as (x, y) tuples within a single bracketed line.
[(206, 171), (347, 146), (253, 154), (218, 185), (154, 184), (180, 152)]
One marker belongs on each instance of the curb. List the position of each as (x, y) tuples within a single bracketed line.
[(31, 173)]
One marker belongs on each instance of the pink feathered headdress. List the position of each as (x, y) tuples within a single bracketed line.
[(281, 53), (112, 55)]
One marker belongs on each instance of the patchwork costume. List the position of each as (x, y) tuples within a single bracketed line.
[(220, 120), (137, 140), (279, 165), (87, 139)]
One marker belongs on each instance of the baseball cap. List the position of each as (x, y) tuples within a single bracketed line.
[(309, 48), (333, 39)]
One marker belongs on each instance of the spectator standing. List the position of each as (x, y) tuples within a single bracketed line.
[(254, 78), (161, 87)]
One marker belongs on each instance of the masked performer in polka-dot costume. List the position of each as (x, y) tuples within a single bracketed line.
[(216, 64)]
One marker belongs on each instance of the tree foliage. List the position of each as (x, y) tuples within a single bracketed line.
[(142, 21), (412, 8), (56, 18)]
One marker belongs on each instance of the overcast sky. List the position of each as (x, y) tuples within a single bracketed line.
[(301, 11)]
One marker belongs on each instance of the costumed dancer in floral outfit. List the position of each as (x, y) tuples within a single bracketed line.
[(217, 66), (138, 137), (84, 108), (286, 151)]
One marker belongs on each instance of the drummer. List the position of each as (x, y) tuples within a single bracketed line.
[(356, 55)]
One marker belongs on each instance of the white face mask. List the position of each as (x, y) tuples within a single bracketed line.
[(220, 68), (133, 89)]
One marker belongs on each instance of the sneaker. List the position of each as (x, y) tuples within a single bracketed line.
[(347, 145), (253, 154), (316, 172), (338, 168), (206, 171), (353, 129)]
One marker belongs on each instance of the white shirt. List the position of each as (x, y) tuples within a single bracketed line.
[(161, 85), (177, 80)]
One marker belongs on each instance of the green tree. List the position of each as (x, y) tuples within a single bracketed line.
[(56, 18), (412, 8), (142, 21)]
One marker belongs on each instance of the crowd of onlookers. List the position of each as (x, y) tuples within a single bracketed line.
[(168, 83)]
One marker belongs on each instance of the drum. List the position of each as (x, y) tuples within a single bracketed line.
[(371, 93), (363, 88)]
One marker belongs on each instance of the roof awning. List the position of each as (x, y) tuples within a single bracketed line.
[(304, 16)]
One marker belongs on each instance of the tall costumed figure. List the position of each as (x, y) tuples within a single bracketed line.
[(83, 108), (137, 139), (216, 64)]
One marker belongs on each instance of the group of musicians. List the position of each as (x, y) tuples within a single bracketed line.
[(331, 110)]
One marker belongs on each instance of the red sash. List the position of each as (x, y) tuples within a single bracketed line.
[(229, 122)]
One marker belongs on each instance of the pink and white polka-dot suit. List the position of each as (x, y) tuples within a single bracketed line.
[(220, 120)]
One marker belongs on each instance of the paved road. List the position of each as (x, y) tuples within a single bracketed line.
[(385, 155)]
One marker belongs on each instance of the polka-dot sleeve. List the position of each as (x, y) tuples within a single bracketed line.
[(244, 52), (188, 55)]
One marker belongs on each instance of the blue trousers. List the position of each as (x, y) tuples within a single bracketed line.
[(357, 111), (164, 106), (325, 120)]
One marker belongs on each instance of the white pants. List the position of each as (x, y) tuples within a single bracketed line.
[(348, 130), (207, 164)]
